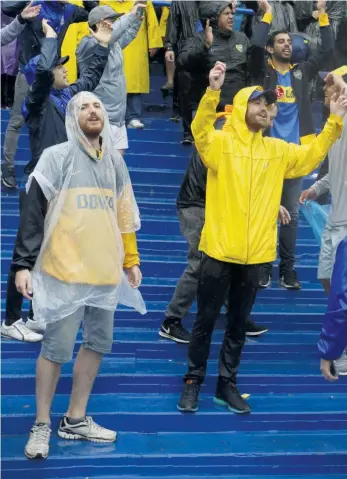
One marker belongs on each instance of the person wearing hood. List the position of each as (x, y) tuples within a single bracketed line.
[(294, 123), (76, 256), (112, 86), (60, 14), (44, 111), (219, 42), (335, 182), (244, 185)]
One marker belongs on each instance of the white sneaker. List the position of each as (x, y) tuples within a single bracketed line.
[(136, 124), (341, 365), (87, 430), (38, 445), (36, 326), (20, 332)]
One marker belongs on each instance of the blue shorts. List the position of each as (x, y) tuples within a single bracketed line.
[(60, 337)]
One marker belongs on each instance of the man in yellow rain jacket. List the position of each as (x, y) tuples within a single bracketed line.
[(136, 64), (244, 185)]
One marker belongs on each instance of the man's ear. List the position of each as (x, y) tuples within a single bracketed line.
[(270, 50)]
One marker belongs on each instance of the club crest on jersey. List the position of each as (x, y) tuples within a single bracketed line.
[(239, 47), (298, 74)]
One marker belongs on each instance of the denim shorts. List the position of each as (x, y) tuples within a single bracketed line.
[(60, 337), (331, 238)]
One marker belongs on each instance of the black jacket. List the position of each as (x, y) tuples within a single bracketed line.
[(181, 24), (232, 48), (45, 121), (55, 12), (301, 76)]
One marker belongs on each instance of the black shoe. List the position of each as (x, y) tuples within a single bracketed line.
[(253, 329), (289, 280), (228, 395), (265, 276), (9, 181), (175, 331), (176, 117), (188, 139), (190, 397), (167, 87)]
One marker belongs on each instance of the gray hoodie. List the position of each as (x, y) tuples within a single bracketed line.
[(11, 31), (112, 86), (336, 180)]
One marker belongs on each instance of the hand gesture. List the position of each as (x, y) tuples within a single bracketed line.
[(24, 283), (208, 35), (170, 56), (321, 5), (306, 195), (338, 105), (264, 6), (48, 30), (217, 76), (284, 216), (134, 11), (334, 79), (30, 12), (315, 14), (326, 370), (103, 35), (134, 276)]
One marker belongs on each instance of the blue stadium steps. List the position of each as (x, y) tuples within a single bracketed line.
[(298, 427)]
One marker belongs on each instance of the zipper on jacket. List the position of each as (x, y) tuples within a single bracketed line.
[(249, 201)]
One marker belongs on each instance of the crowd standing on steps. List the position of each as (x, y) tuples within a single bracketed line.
[(245, 99)]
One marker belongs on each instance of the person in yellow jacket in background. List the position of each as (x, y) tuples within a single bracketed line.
[(244, 185), (136, 63)]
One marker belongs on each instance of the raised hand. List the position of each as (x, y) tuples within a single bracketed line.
[(217, 76), (103, 35), (338, 105), (134, 10), (321, 6), (264, 6), (208, 35), (48, 30), (334, 79), (30, 12), (306, 195)]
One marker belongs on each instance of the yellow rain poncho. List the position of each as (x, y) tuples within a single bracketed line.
[(136, 64), (245, 179)]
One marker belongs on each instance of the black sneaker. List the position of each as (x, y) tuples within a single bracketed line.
[(176, 117), (190, 397), (175, 331), (265, 276), (9, 181), (167, 87), (228, 395), (253, 329), (289, 280), (188, 139)]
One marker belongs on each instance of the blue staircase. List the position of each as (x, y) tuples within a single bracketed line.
[(299, 422)]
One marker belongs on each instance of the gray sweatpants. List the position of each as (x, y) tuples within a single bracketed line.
[(15, 125), (191, 223)]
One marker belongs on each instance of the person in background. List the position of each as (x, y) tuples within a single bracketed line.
[(44, 112), (334, 182), (307, 13), (219, 42), (333, 338), (183, 23), (60, 15), (112, 86), (294, 124), (244, 184), (15, 28), (136, 64), (74, 267), (191, 214)]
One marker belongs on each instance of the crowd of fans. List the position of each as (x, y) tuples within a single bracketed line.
[(245, 99)]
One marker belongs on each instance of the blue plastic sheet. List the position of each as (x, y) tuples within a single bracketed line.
[(316, 216)]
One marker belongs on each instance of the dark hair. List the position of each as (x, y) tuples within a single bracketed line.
[(272, 37), (93, 27)]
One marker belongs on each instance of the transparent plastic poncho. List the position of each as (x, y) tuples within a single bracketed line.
[(91, 204)]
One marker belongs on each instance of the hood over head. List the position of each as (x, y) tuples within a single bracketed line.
[(211, 11)]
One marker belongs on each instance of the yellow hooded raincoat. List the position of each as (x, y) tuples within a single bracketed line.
[(245, 179), (136, 64)]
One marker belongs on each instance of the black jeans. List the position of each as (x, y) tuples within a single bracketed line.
[(217, 279)]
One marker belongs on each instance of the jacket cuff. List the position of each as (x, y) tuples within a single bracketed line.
[(336, 119), (20, 19), (323, 20), (215, 94), (267, 18), (317, 188), (131, 260)]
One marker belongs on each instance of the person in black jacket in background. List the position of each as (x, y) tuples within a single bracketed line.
[(60, 15), (44, 111), (219, 42)]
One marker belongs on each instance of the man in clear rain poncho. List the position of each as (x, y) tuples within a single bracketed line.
[(83, 215)]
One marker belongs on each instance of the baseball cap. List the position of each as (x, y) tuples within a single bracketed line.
[(342, 72), (101, 13), (269, 95), (62, 60)]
